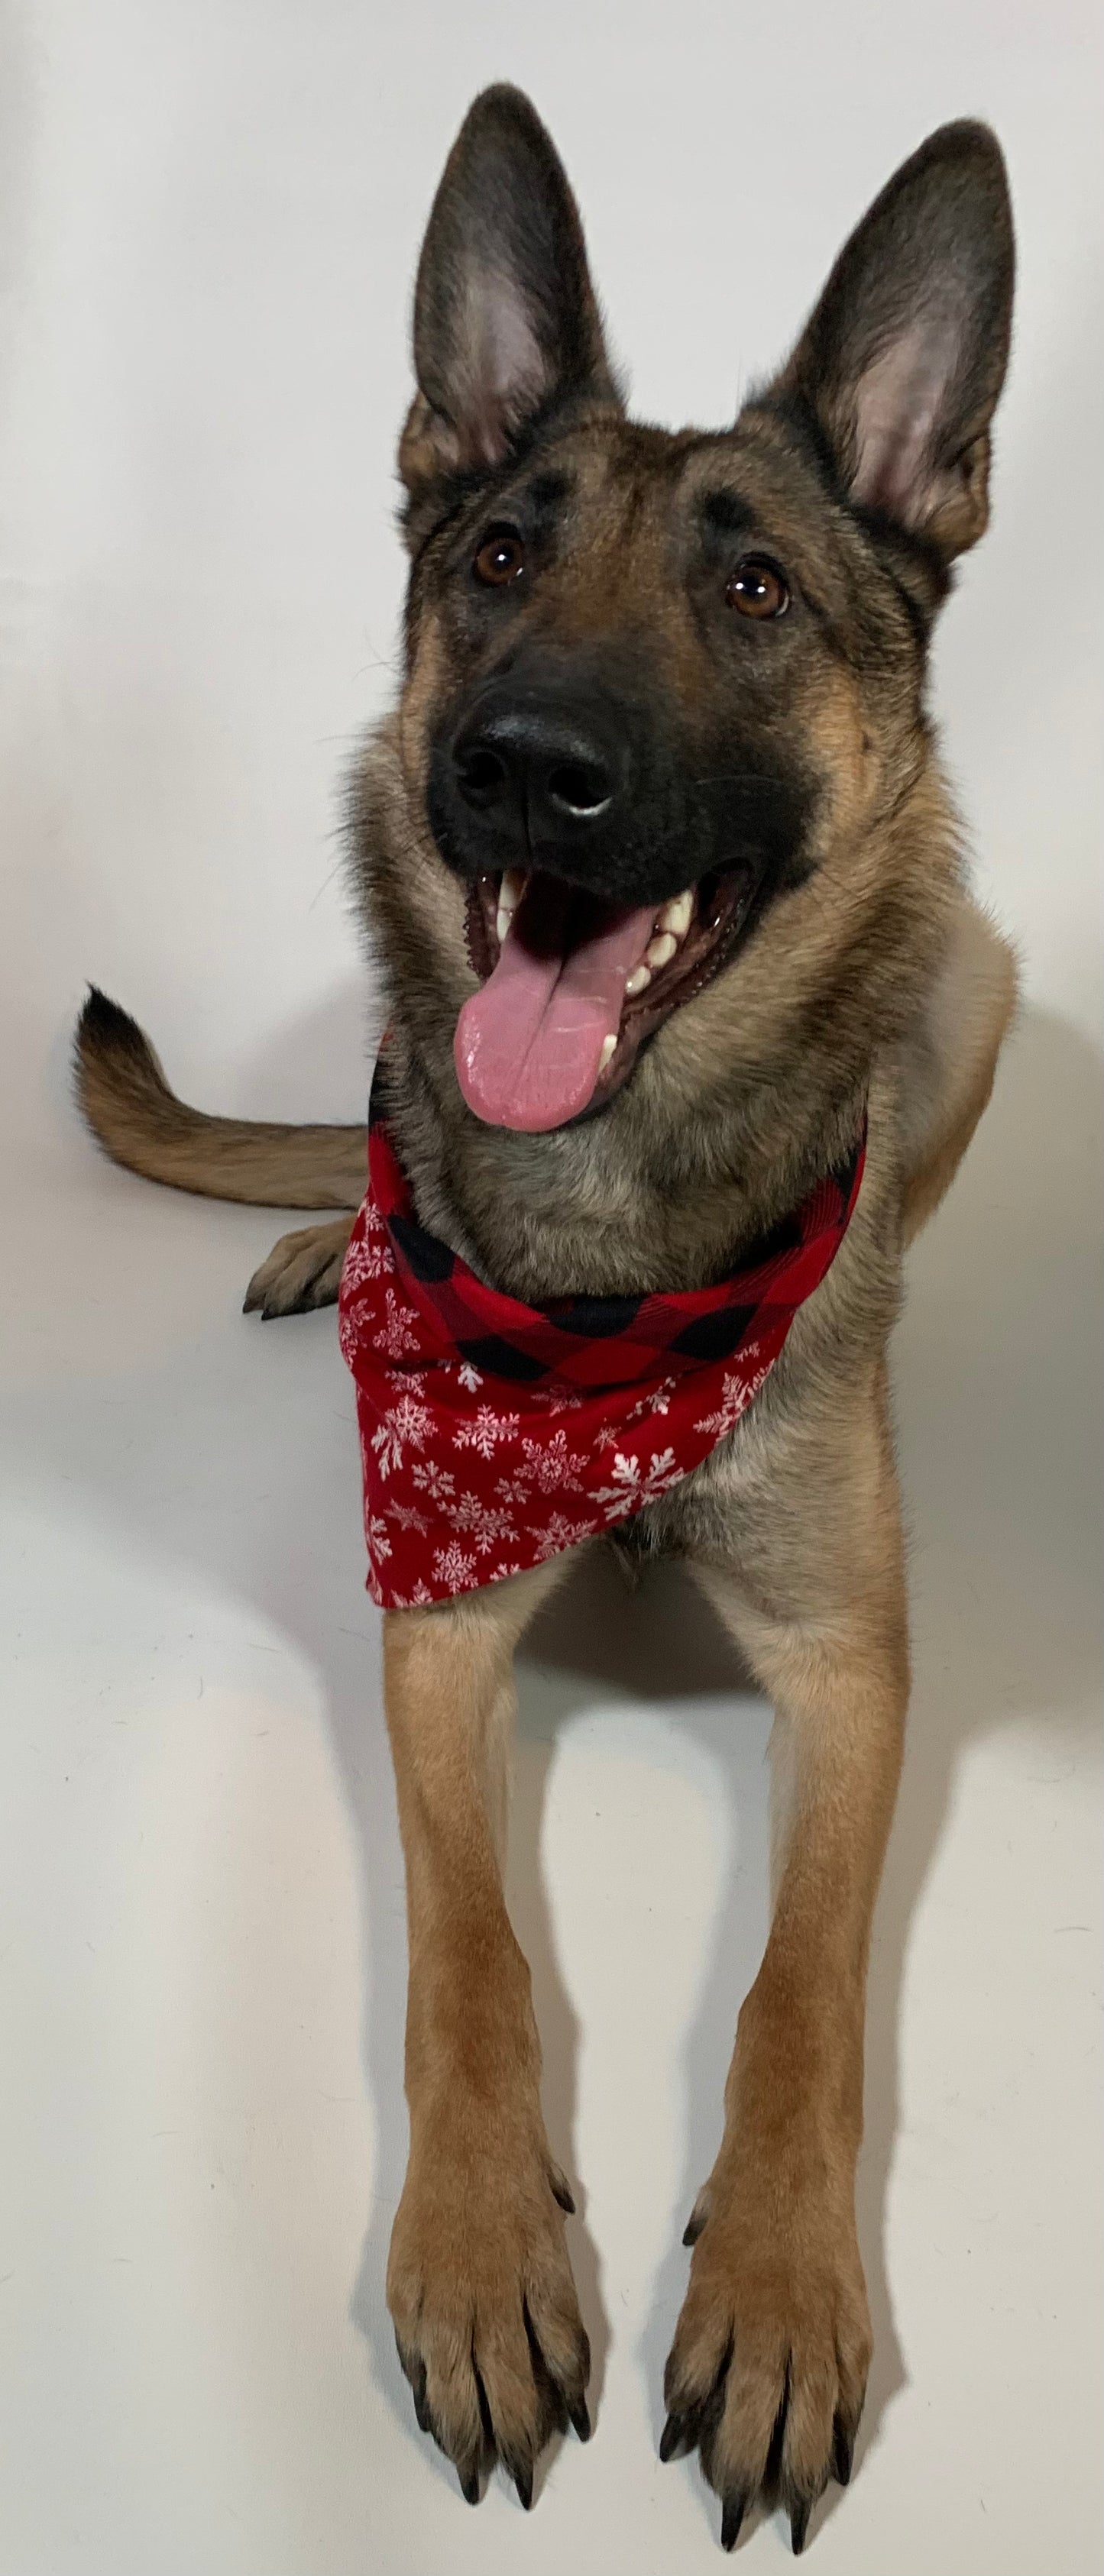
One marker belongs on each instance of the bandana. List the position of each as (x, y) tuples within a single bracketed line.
[(495, 1435)]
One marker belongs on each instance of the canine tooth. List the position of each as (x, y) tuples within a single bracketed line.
[(608, 1045), (509, 896), (675, 915), (639, 980), (659, 952)]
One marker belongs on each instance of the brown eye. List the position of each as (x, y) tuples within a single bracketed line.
[(501, 557), (757, 588)]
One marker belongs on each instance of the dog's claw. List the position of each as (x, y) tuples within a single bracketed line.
[(469, 2481), (523, 2480), (843, 2453), (799, 2524), (672, 2438), (732, 2515), (579, 2412)]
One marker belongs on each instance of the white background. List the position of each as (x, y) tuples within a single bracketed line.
[(209, 218)]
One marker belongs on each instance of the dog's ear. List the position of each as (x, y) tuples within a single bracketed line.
[(505, 317), (904, 356)]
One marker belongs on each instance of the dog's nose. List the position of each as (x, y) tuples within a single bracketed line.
[(540, 777)]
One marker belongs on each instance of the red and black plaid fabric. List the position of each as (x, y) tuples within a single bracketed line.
[(494, 1434)]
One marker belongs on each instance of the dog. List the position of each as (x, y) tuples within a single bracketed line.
[(676, 679)]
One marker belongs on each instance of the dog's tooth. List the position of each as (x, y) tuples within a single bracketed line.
[(512, 888), (503, 918), (675, 915), (659, 952), (639, 980), (608, 1045)]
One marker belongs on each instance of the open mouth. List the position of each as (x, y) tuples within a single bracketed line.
[(572, 985)]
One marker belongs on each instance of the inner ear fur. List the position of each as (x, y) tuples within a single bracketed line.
[(506, 322), (902, 361)]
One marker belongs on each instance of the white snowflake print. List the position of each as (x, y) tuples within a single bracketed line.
[(485, 1526), (557, 1533), (415, 1600), (486, 1430), (375, 1532), (500, 1573), (469, 1376), (453, 1565), (406, 1518), (435, 1481), (372, 1257), (407, 1425), (396, 1337), (554, 1399), (634, 1484), (736, 1395), (549, 1464), (659, 1401)]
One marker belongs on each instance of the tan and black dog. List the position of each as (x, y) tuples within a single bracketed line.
[(685, 671)]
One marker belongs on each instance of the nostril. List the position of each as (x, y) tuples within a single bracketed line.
[(482, 774), (579, 787)]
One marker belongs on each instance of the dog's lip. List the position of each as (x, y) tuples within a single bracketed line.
[(723, 901)]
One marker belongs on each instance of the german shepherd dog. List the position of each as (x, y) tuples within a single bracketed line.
[(684, 672)]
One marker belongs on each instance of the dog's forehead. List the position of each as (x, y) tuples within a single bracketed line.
[(620, 480)]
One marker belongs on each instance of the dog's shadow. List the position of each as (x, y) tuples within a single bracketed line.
[(996, 1367)]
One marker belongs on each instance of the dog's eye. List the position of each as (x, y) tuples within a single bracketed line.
[(758, 588), (501, 557)]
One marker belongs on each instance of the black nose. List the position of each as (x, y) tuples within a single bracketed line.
[(538, 777)]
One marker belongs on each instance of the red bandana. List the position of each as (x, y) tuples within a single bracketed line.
[(495, 1435)]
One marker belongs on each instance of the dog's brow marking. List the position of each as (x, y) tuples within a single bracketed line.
[(546, 489), (727, 511)]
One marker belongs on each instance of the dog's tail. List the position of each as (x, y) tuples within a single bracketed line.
[(141, 1123)]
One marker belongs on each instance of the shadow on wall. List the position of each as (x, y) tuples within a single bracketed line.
[(997, 1369)]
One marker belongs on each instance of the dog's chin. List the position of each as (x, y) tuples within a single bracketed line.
[(722, 906)]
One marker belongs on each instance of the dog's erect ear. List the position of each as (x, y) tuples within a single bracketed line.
[(505, 318), (904, 357)]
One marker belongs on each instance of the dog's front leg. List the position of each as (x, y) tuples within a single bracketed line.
[(478, 2280), (768, 2369)]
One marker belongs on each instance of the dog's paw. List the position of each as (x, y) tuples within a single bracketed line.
[(485, 2312), (303, 1270), (767, 2372)]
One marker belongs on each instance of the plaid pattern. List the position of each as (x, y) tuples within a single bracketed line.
[(495, 1434)]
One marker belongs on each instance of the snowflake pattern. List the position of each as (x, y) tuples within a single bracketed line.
[(408, 1424), (453, 1566), (434, 1480), (396, 1336), (485, 1526), (486, 1429), (472, 1478), (558, 1532), (736, 1395), (635, 1484)]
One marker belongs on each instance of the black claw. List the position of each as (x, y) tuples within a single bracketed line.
[(580, 2416), (523, 2480), (693, 2227), (469, 2481), (673, 2437), (561, 2192), (843, 2453), (734, 2509), (799, 2524)]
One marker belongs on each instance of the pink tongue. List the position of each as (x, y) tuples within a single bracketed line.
[(528, 1043)]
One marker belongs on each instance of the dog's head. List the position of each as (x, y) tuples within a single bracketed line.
[(665, 691)]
